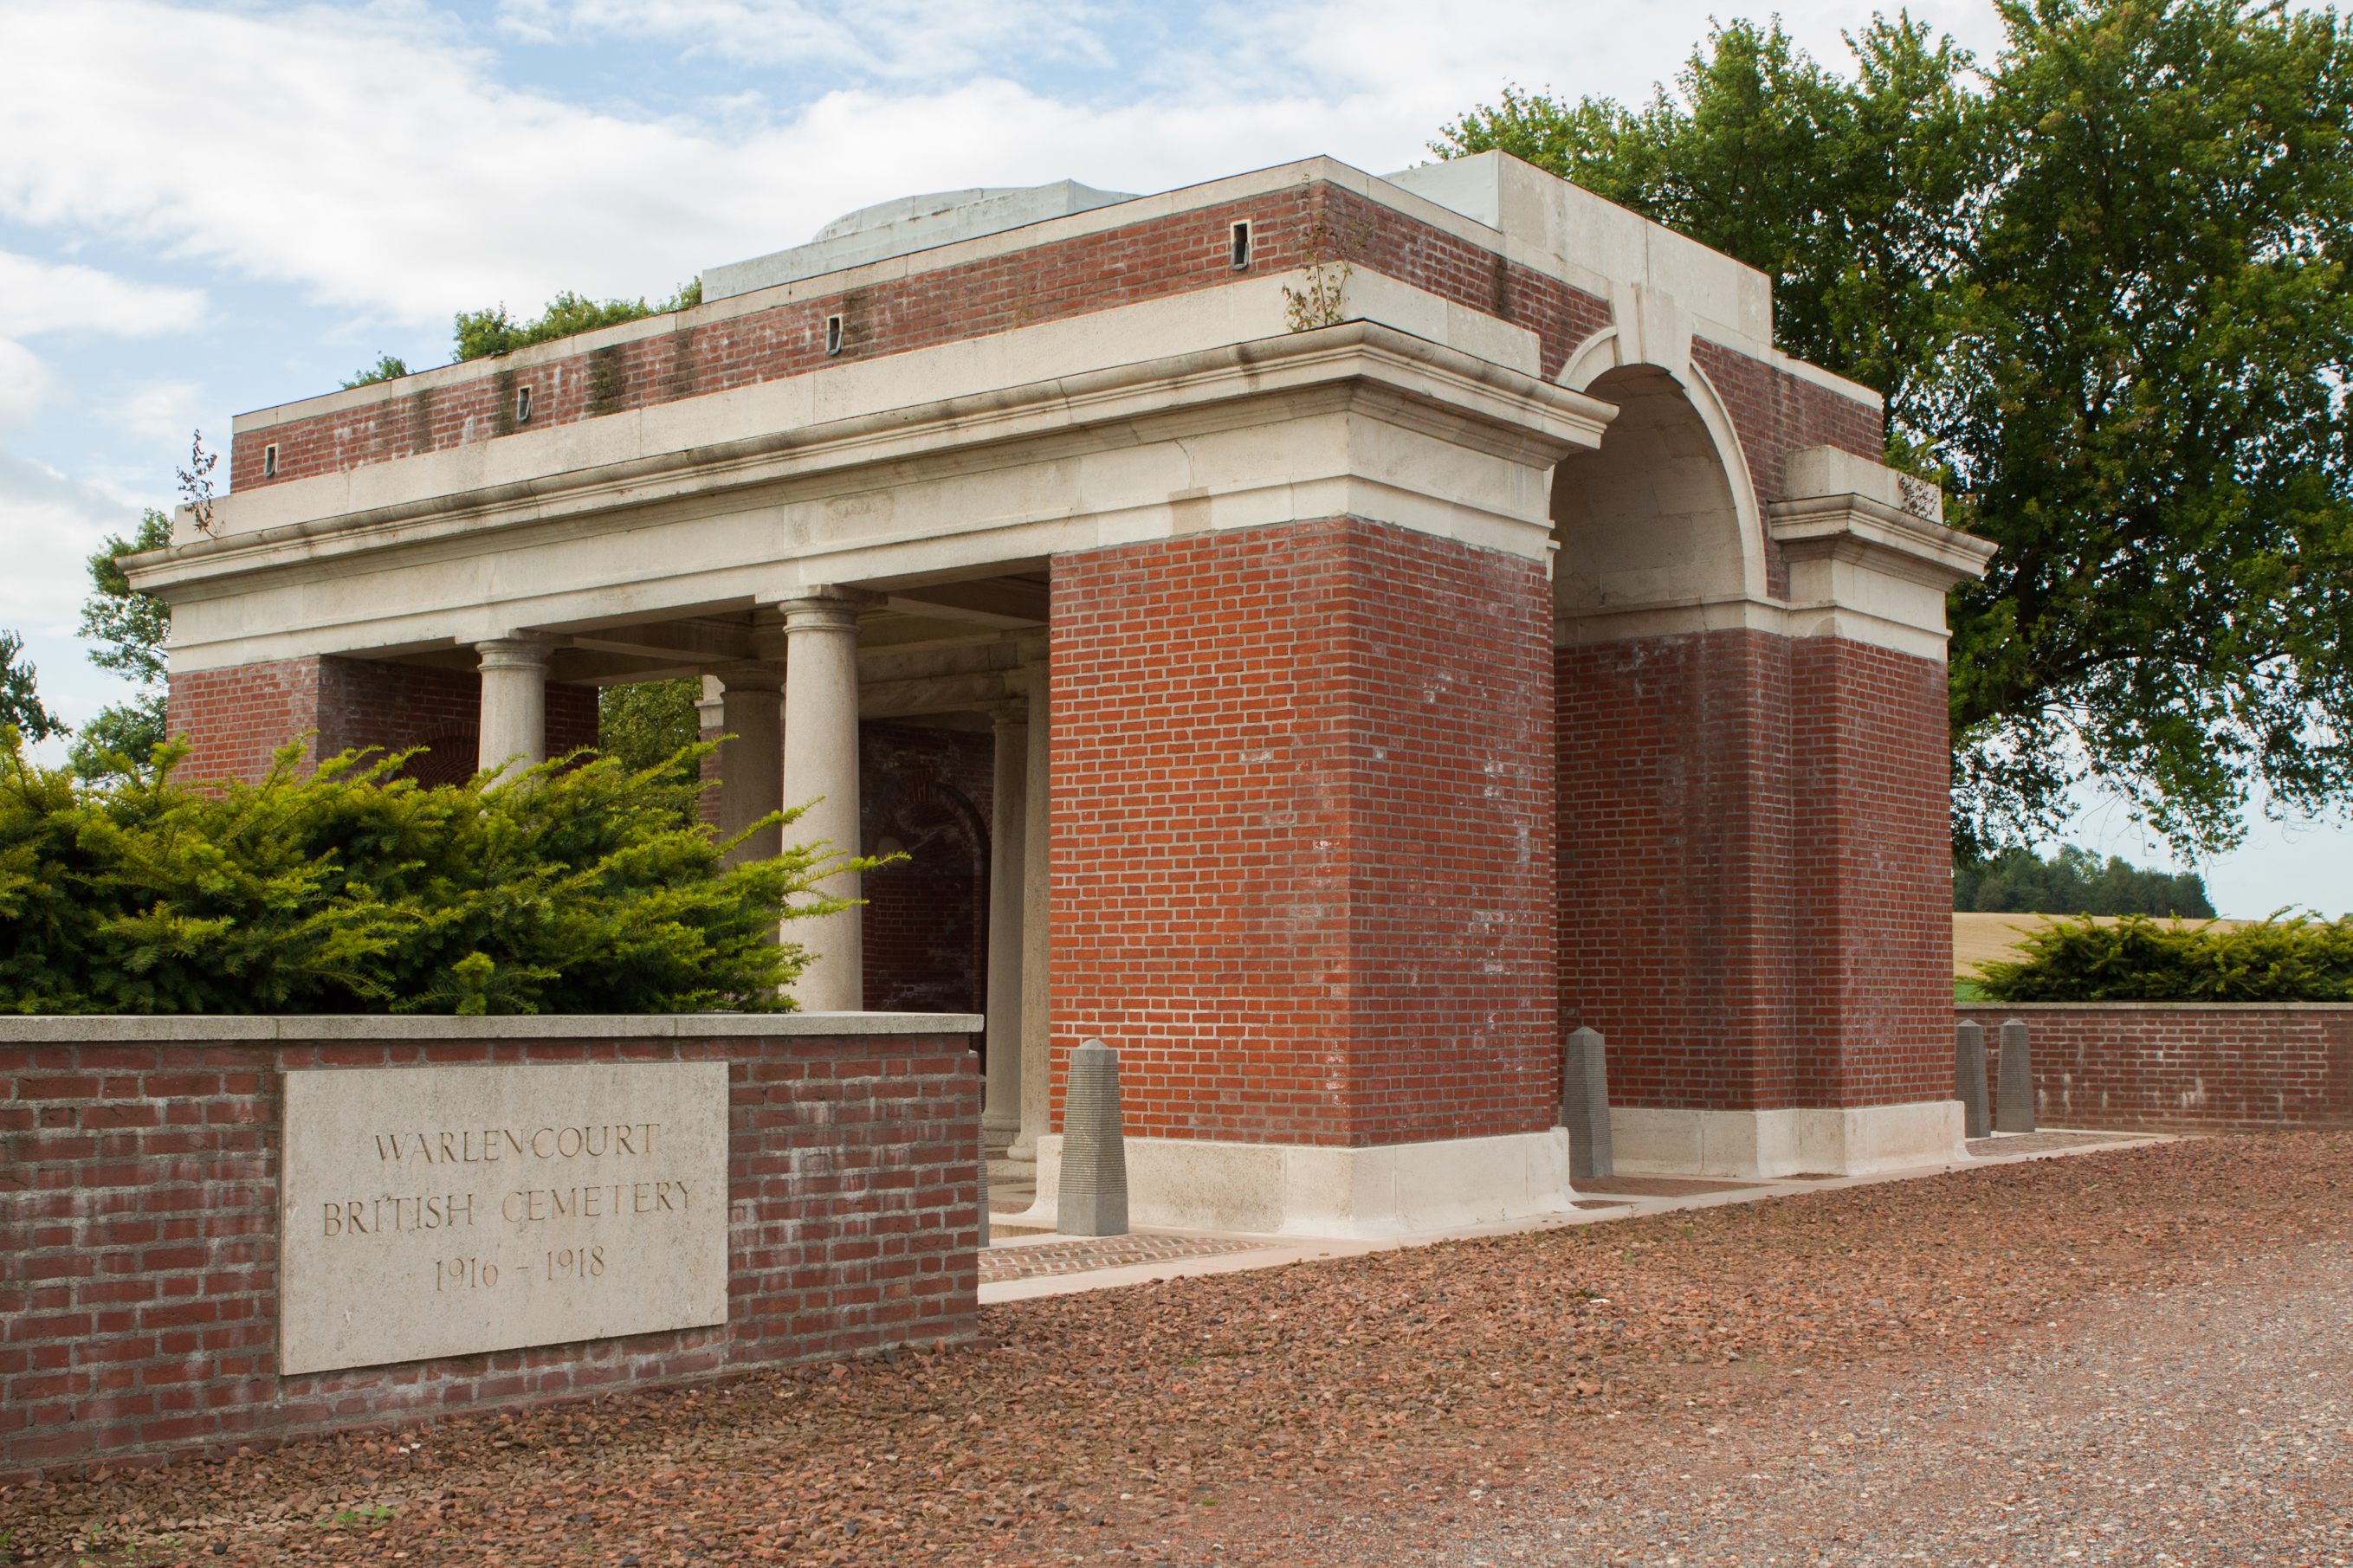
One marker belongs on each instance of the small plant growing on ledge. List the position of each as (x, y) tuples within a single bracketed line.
[(1321, 300), (581, 887), (2140, 959)]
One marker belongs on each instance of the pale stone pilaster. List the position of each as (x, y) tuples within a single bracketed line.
[(1037, 1081), (1008, 870), (751, 759), (514, 726), (820, 772)]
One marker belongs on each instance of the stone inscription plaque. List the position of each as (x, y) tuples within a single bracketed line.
[(443, 1211)]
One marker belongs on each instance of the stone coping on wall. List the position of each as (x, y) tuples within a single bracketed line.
[(60, 1028), (1988, 1006)]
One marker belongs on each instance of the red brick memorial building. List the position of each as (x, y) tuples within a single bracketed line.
[(1325, 636)]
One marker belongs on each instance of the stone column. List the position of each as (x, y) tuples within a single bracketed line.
[(751, 761), (1009, 871), (1037, 985), (514, 702), (820, 766)]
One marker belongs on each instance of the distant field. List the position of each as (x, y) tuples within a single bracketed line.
[(1981, 939)]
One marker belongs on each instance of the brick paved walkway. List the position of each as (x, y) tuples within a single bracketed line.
[(2044, 1142), (1035, 1260)]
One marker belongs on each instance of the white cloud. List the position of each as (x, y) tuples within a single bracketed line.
[(50, 525), (890, 39), (25, 384), (161, 410), (45, 296), (371, 158)]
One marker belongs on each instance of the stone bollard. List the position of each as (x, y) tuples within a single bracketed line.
[(1092, 1198), (2013, 1108), (1584, 1107), (1969, 1079)]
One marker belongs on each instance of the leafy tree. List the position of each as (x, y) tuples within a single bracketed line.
[(2075, 881), (2103, 286), (578, 889), (20, 700), (651, 725), (133, 627), (388, 367), (486, 332)]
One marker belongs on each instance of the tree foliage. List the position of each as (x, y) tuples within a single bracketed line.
[(583, 888), (388, 367), (652, 724), (131, 628), (2103, 285), (481, 335), (2139, 960), (2076, 882), (20, 697)]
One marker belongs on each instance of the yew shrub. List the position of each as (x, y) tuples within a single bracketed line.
[(581, 887), (2140, 959)]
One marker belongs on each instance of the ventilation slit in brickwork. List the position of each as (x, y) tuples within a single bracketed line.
[(522, 405), (1241, 243), (832, 335), (269, 462)]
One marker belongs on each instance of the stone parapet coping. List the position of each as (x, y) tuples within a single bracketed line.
[(83, 1028), (2153, 1006)]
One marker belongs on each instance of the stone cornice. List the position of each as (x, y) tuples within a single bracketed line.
[(1868, 531), (1360, 367)]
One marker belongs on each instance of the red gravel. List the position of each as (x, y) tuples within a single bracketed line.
[(1253, 1414)]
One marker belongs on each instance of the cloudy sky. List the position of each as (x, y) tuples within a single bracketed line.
[(206, 209)]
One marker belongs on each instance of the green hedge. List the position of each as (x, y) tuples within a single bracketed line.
[(580, 888), (2141, 960)]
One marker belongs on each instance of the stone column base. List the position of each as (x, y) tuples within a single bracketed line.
[(1798, 1141), (1293, 1189)]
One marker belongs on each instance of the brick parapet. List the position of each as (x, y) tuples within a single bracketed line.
[(1303, 834), (722, 347), (2182, 1067), (138, 1246)]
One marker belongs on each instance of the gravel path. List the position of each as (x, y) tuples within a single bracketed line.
[(2131, 1355), (2203, 1426)]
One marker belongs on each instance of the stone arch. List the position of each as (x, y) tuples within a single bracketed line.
[(1662, 511)]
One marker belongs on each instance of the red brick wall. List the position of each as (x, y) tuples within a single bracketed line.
[(1675, 876), (138, 1250), (1752, 870), (1303, 835), (1142, 261), (1775, 413), (234, 719), (1872, 851), (2242, 1068)]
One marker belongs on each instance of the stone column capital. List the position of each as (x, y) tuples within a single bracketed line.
[(515, 653), (827, 608), (1009, 711), (756, 675)]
